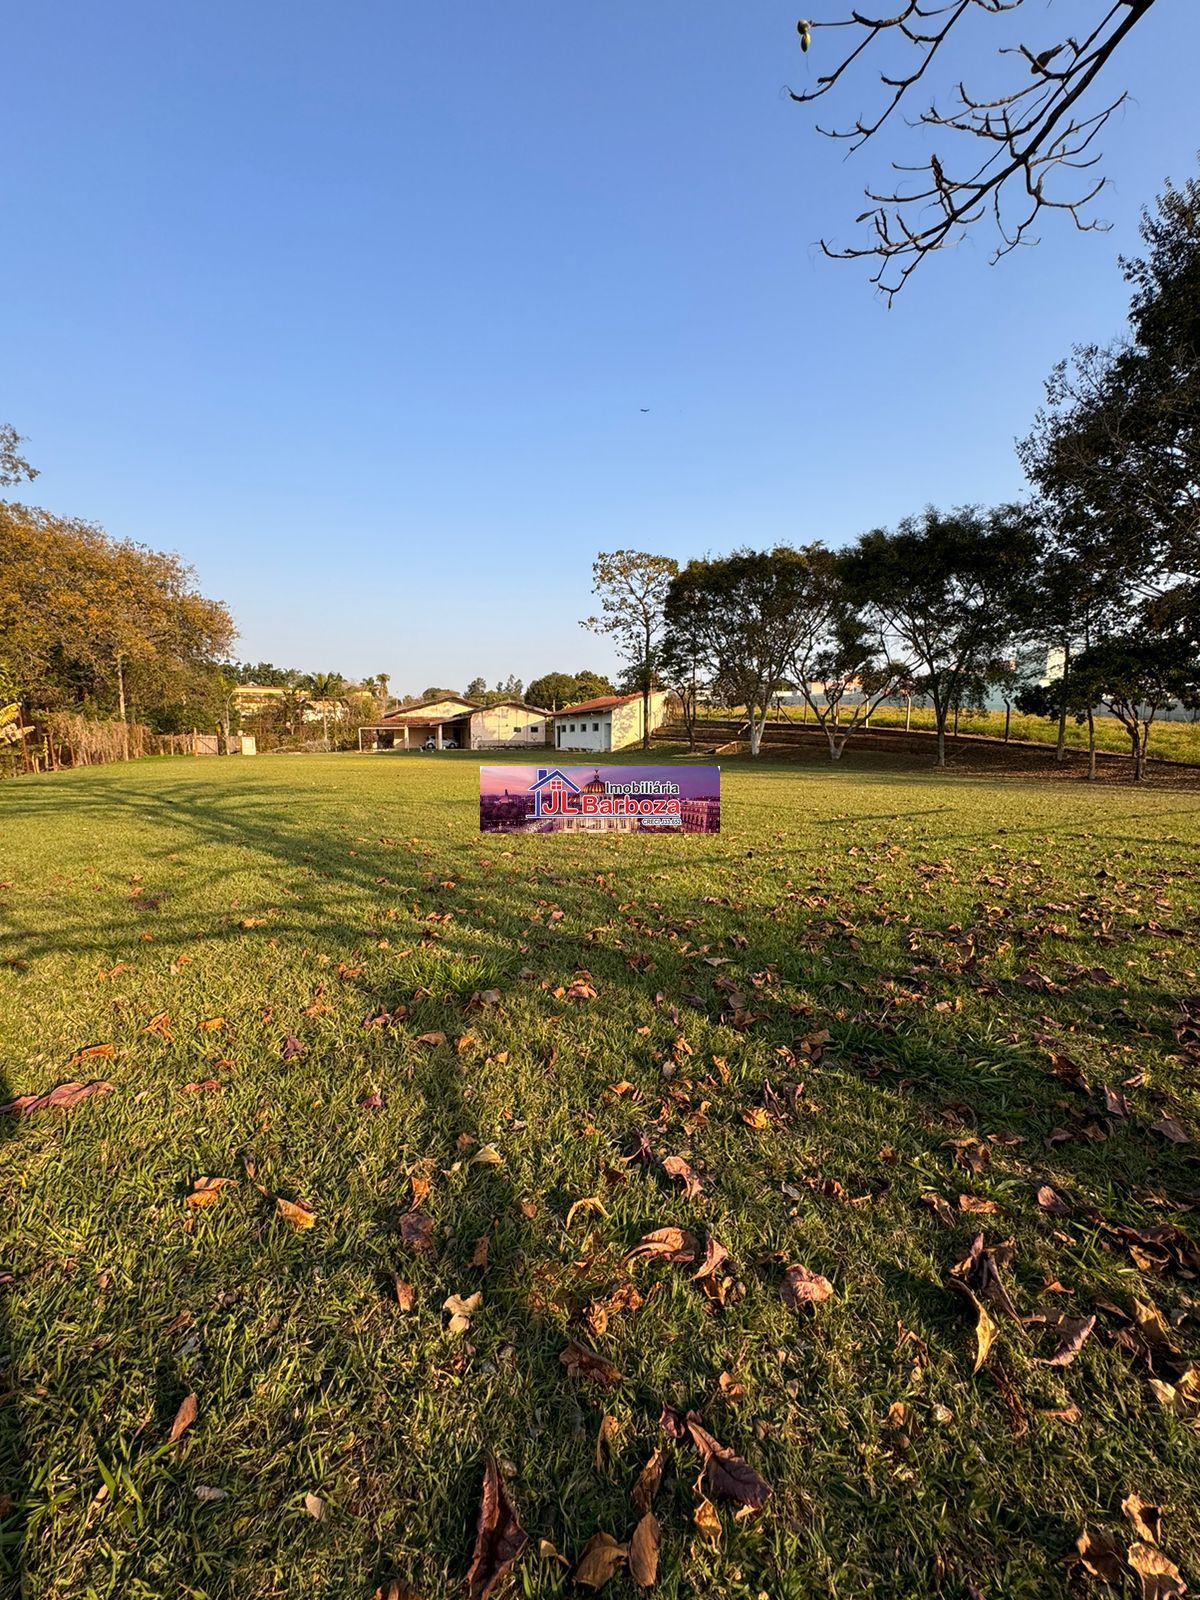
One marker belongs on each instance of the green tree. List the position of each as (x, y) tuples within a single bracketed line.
[(1135, 678), (1116, 448), (946, 593), (631, 586), (476, 689), (13, 466), (557, 689), (322, 688), (743, 614)]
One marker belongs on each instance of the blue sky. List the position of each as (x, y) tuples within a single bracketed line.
[(357, 305)]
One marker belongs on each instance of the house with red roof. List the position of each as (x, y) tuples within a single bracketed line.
[(610, 722)]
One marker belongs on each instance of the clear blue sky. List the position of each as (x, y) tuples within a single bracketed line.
[(356, 304)]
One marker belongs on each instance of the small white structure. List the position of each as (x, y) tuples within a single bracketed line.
[(610, 722)]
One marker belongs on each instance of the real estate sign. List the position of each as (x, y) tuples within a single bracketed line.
[(596, 799)]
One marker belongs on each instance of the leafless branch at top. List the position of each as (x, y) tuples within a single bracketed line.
[(1041, 129)]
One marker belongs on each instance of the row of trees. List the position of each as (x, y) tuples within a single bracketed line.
[(1096, 576)]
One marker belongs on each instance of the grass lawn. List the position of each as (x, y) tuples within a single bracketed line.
[(874, 986)]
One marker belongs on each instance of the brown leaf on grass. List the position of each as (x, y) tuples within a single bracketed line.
[(643, 1552), (1160, 1578), (976, 1205), (1115, 1103), (292, 1049), (486, 1156), (418, 1184), (985, 1328), (395, 1589), (184, 1418), (602, 1557), (1070, 1414), (499, 1537), (709, 1523), (715, 1256), (1051, 1201), (681, 1174), (757, 1117), (479, 1253), (647, 1485), (405, 1295), (606, 1437), (1169, 1129), (203, 1086), (801, 1287), (1101, 1555), (94, 1052), (315, 1506), (666, 1244), (547, 1552), (207, 1191), (940, 1207), (212, 1024), (584, 1364), (160, 1024), (1145, 1518), (460, 1310), (63, 1098), (727, 1476), (1074, 1334), (416, 1229), (298, 1212), (432, 1039), (1151, 1324)]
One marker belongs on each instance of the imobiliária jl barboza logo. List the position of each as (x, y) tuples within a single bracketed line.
[(595, 799)]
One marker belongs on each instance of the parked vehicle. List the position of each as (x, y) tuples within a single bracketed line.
[(447, 744)]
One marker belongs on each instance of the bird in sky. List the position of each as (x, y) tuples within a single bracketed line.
[(645, 410)]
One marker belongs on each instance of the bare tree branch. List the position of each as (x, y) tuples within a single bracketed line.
[(1032, 134)]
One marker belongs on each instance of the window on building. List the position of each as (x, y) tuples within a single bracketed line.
[(535, 727), (595, 727), (572, 727), (516, 727)]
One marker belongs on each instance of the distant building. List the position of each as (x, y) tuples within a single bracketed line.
[(611, 722), (454, 722)]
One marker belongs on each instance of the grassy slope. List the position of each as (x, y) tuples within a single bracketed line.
[(308, 1376)]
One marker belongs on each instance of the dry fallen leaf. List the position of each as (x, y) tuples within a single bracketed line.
[(205, 1492), (666, 1244), (681, 1174), (582, 1363), (486, 1156), (461, 1311), (602, 1557), (184, 1418), (643, 1552), (298, 1212), (62, 1098), (709, 1523), (416, 1229), (1160, 1577), (985, 1328), (1075, 1333), (804, 1288), (315, 1507), (207, 1191), (499, 1536), (1101, 1555), (727, 1476), (646, 1488), (395, 1589), (1145, 1518), (940, 1208)]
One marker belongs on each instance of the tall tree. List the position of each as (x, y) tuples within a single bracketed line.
[(631, 586), (947, 591), (1028, 134), (324, 687), (1135, 678), (745, 613), (1116, 448), (476, 689)]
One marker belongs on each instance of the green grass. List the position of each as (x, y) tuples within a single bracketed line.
[(834, 901)]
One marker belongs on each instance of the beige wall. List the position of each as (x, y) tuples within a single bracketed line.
[(627, 720), (436, 710), (492, 728)]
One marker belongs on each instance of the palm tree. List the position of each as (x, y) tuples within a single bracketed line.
[(323, 687), (383, 679)]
